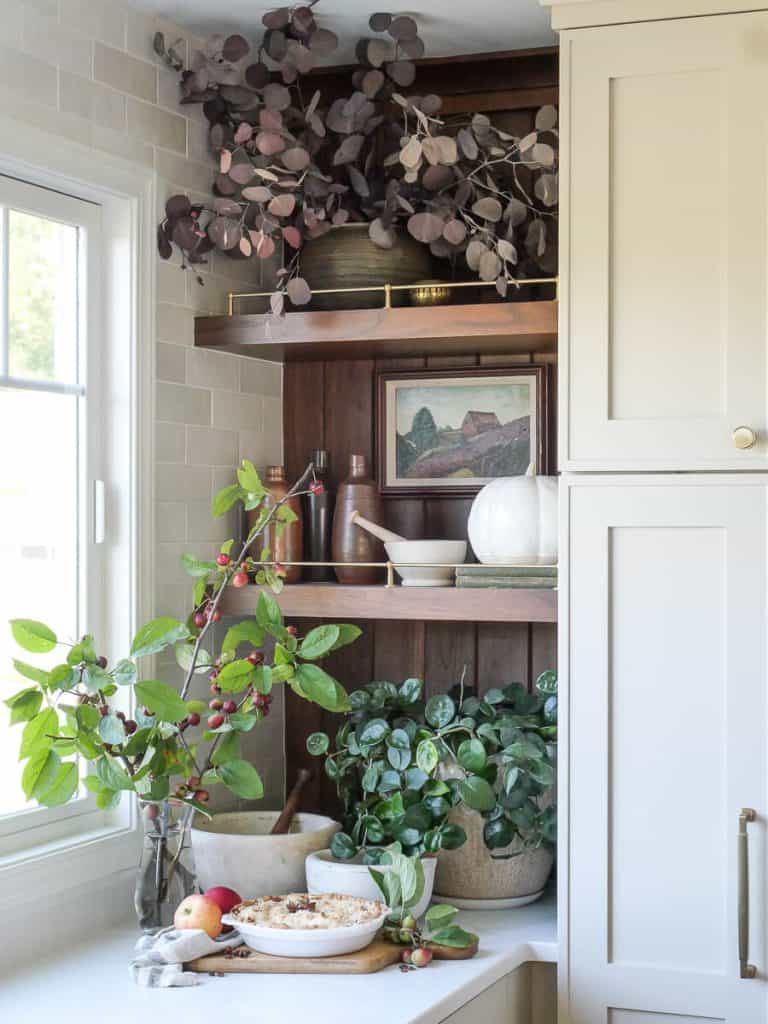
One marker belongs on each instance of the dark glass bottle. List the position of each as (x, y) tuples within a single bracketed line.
[(318, 522)]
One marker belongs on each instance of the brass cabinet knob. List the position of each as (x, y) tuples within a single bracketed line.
[(744, 437)]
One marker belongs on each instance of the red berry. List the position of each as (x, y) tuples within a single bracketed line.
[(215, 704), (147, 713), (103, 710), (279, 569), (265, 710), (194, 718), (259, 700), (215, 721), (130, 727), (255, 657), (317, 487), (228, 707), (151, 811), (213, 673), (121, 716), (240, 579), (216, 615), (291, 630), (200, 620), (223, 559), (421, 957), (202, 796), (215, 688), (101, 661)]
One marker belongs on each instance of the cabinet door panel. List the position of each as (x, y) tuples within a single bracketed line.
[(664, 295), (666, 684)]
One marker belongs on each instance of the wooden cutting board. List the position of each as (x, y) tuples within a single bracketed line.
[(366, 961)]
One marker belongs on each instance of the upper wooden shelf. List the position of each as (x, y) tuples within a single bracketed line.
[(485, 328), (423, 604)]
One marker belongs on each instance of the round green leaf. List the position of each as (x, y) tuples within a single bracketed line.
[(243, 779), (318, 641), (33, 636), (343, 847), (452, 837), (427, 757), (410, 690), (477, 793), (440, 710), (317, 743), (161, 699), (63, 787), (370, 778), (124, 672), (498, 833), (373, 731), (398, 758), (471, 755)]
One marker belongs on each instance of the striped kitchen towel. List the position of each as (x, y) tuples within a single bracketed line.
[(158, 960)]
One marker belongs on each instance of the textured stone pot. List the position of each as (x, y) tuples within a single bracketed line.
[(346, 258), (471, 873), (236, 850)]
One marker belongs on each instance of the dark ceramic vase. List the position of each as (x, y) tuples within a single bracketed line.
[(318, 524), (350, 543), (287, 546)]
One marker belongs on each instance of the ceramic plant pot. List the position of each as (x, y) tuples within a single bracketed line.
[(236, 850), (352, 878)]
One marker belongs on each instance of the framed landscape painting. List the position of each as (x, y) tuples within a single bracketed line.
[(452, 431)]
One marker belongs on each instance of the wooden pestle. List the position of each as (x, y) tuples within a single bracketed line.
[(283, 823), (378, 531)]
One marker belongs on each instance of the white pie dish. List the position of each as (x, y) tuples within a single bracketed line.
[(298, 942)]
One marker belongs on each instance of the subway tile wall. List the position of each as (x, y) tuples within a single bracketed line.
[(86, 70)]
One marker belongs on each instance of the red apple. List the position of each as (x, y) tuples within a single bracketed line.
[(223, 897), (198, 912)]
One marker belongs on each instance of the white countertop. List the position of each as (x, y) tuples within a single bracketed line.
[(91, 983)]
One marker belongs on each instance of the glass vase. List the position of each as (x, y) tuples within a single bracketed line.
[(166, 870)]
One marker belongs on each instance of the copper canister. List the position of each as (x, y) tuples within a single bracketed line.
[(284, 545)]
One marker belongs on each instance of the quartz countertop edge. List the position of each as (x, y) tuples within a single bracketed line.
[(77, 985)]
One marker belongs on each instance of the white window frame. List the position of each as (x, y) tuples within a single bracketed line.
[(45, 852)]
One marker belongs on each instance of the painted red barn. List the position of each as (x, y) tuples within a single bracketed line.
[(475, 423)]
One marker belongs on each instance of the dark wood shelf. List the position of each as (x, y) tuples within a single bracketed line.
[(501, 328), (422, 604)]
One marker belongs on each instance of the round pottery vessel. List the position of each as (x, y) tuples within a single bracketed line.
[(448, 551), (470, 873), (351, 878), (307, 941), (236, 850), (513, 521)]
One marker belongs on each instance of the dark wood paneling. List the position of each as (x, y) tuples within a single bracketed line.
[(303, 415), (502, 654), (398, 651), (450, 648), (348, 414), (543, 648)]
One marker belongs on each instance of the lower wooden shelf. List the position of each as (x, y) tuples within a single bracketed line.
[(425, 604)]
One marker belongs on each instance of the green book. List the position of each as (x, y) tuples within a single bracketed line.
[(507, 582), (508, 571)]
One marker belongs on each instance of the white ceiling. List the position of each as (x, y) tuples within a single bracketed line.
[(446, 26)]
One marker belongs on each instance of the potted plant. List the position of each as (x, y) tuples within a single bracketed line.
[(293, 165), (165, 747), (389, 790)]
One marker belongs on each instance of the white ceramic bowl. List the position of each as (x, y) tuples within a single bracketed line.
[(307, 941), (235, 849), (448, 552), (351, 878)]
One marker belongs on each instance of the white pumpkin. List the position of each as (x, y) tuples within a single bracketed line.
[(513, 520)]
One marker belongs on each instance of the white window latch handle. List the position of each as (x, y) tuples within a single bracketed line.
[(99, 512)]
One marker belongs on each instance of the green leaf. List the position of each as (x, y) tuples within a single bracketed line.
[(184, 654), (321, 688), (247, 631), (498, 833), (347, 635), (249, 479), (343, 846), (111, 775), (33, 636), (373, 731), (477, 793), (542, 772), (194, 567), (370, 778), (547, 682), (399, 759), (157, 635), (37, 675), (94, 678), (411, 690), (162, 699), (236, 675), (124, 672), (225, 499), (62, 788), (471, 755), (242, 721), (318, 641), (242, 779), (111, 729), (37, 733), (454, 936), (426, 756), (439, 711), (416, 778), (87, 716), (318, 743), (39, 772), (440, 915), (106, 800), (24, 705), (264, 676), (452, 837), (227, 750), (268, 614)]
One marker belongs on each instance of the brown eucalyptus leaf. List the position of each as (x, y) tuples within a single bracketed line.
[(271, 120), (312, 105), (380, 235), (243, 133), (282, 206), (506, 250), (239, 96), (340, 217), (276, 96), (317, 126), (216, 136), (430, 149), (430, 104), (501, 286), (257, 75), (321, 228), (299, 291), (288, 183), (489, 208), (489, 266), (268, 144), (224, 232), (288, 72), (446, 146), (303, 20), (411, 176), (336, 120), (265, 247), (356, 103), (224, 185), (480, 125), (257, 194), (463, 193), (245, 246), (410, 154), (546, 118), (402, 72), (301, 56), (277, 303), (164, 247), (425, 227), (241, 173), (213, 46), (323, 42), (349, 150), (527, 141), (225, 161), (377, 52), (543, 154), (536, 238), (516, 212), (184, 233), (403, 203), (413, 49), (358, 182), (475, 252), (455, 232), (292, 236), (178, 206), (468, 144), (435, 178), (226, 207), (380, 22), (265, 174), (441, 249), (235, 48), (403, 28), (400, 100), (545, 189), (278, 18), (295, 158), (276, 44), (372, 82)]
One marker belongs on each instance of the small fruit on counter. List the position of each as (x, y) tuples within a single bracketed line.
[(421, 957), (405, 956), (198, 912), (409, 922), (223, 897)]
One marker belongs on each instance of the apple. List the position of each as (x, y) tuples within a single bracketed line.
[(198, 912), (223, 897)]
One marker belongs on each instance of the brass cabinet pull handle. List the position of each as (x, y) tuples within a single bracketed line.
[(746, 969)]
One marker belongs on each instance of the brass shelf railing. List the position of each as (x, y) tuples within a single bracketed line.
[(391, 566), (387, 289)]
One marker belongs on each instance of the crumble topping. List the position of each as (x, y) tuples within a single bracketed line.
[(298, 910)]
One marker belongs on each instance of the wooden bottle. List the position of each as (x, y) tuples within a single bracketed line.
[(350, 543), (287, 547)]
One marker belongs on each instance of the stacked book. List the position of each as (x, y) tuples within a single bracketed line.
[(519, 577)]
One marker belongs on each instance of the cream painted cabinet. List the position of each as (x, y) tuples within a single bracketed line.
[(663, 663), (664, 221)]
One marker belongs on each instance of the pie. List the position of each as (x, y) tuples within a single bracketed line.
[(299, 910)]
